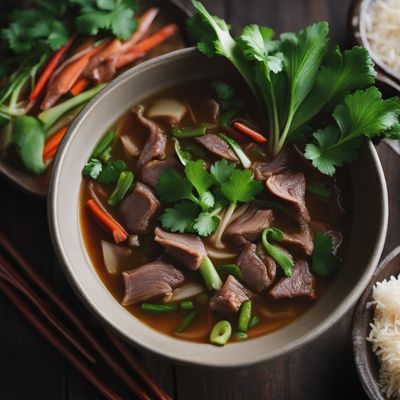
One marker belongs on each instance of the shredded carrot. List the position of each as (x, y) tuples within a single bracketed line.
[(51, 146), (118, 232), (79, 86), (258, 137), (138, 50), (50, 68)]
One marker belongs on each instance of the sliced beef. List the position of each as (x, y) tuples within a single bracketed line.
[(185, 248), (249, 226), (151, 172), (139, 208), (154, 280), (214, 144), (230, 297), (291, 188), (256, 275), (300, 284), (156, 143), (211, 108), (300, 240), (282, 162)]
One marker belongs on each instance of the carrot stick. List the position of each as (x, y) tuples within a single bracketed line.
[(118, 232), (250, 132), (51, 146), (79, 86), (138, 50), (50, 68)]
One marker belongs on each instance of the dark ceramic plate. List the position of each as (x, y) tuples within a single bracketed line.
[(170, 11), (366, 362), (387, 80)]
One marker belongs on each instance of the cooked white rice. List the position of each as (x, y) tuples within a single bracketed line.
[(385, 334), (383, 31)]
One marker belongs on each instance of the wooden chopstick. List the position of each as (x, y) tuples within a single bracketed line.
[(18, 282), (58, 344), (85, 331), (134, 363)]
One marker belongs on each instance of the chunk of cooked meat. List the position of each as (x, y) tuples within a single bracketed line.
[(156, 143), (214, 144), (291, 187), (151, 172), (154, 280), (256, 275), (230, 297), (139, 208), (282, 162), (249, 226), (211, 111), (300, 240), (300, 284), (186, 248)]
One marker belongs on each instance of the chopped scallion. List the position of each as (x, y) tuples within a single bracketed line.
[(124, 184), (234, 145)]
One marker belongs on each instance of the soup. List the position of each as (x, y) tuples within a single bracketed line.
[(195, 230)]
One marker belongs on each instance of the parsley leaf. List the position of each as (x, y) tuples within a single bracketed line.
[(241, 186), (361, 114), (110, 173), (198, 176), (172, 186), (206, 224), (324, 261), (181, 217), (92, 169), (221, 170), (111, 15)]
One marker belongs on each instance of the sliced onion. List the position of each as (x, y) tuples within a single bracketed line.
[(133, 241), (114, 256), (130, 148), (187, 291), (171, 109)]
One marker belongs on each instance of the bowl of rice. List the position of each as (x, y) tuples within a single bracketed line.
[(375, 25), (376, 331)]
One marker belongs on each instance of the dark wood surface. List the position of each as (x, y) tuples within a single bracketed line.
[(31, 369)]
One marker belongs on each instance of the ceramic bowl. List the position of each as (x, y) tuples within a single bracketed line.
[(369, 223), (366, 362)]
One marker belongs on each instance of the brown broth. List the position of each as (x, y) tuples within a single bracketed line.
[(274, 314)]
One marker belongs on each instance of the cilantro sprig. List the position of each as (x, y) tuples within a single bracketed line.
[(324, 261), (200, 195), (295, 77)]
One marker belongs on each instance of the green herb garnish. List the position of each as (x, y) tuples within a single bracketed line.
[(324, 261)]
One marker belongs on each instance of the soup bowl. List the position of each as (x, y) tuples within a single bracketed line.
[(365, 243)]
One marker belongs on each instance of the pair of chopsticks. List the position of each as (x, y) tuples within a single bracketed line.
[(36, 300)]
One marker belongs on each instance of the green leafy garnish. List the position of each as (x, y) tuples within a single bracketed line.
[(92, 169), (111, 171), (296, 77), (191, 131), (110, 15), (227, 101), (206, 223), (29, 137), (324, 261), (198, 176), (172, 186), (180, 218), (277, 254), (361, 114)]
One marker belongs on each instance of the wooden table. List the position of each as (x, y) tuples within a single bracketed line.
[(31, 369)]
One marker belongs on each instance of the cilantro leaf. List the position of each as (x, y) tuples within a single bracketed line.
[(110, 173), (340, 74), (361, 114), (111, 15), (172, 186), (181, 217), (324, 261), (206, 224), (221, 170), (198, 176), (29, 137), (241, 186), (34, 31), (207, 200), (92, 169)]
